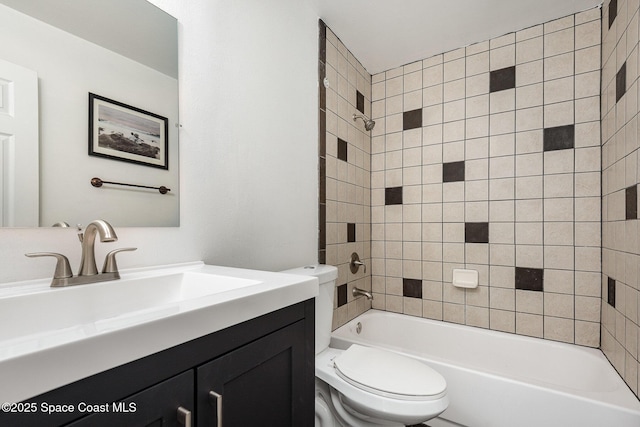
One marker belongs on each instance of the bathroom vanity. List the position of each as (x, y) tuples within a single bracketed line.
[(254, 366)]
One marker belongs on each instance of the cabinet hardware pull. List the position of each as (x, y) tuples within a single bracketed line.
[(184, 417), (216, 400)]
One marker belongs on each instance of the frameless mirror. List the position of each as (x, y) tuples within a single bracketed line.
[(88, 89)]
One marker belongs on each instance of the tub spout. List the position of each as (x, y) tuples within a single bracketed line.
[(357, 292)]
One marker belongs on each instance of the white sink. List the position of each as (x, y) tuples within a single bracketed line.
[(66, 313), (86, 329)]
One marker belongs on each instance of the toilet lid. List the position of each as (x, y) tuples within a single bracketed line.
[(384, 372)]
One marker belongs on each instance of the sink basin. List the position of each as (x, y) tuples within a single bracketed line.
[(55, 336), (67, 312)]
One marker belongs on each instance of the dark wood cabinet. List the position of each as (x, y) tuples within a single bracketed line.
[(255, 385), (263, 369), (163, 405)]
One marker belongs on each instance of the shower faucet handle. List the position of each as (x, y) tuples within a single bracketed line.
[(355, 263)]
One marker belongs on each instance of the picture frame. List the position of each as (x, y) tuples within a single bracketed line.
[(125, 133)]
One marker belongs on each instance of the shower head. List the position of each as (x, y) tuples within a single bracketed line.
[(368, 123)]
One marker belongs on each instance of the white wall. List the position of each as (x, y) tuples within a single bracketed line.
[(248, 147)]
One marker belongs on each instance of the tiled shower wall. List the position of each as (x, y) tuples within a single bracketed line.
[(345, 172), (488, 158), (620, 158)]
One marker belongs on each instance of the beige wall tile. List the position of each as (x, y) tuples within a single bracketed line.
[(501, 320), (432, 309), (587, 333), (412, 306), (559, 329), (502, 298), (453, 313), (559, 305), (477, 316), (558, 42), (529, 324), (529, 302)]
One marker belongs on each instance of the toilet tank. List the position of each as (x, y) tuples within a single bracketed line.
[(327, 275)]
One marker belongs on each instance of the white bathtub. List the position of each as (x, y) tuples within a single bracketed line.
[(496, 379)]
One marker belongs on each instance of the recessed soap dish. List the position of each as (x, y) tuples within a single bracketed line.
[(465, 278)]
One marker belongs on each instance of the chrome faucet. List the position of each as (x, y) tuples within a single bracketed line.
[(88, 241), (87, 273)]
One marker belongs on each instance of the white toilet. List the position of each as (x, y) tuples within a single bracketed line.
[(364, 386)]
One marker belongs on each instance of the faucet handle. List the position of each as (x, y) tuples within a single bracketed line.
[(110, 265), (355, 263), (63, 269)]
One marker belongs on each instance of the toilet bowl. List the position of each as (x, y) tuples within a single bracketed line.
[(363, 386)]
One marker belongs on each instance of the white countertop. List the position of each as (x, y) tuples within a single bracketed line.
[(34, 363)]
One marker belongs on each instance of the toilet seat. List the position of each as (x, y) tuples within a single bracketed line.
[(376, 404), (388, 374)]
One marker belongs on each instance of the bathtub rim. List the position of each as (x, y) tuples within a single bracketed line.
[(620, 398)]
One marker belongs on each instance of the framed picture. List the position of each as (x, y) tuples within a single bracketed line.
[(121, 132)]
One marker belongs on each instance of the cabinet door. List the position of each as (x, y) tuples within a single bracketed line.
[(157, 406), (259, 384)]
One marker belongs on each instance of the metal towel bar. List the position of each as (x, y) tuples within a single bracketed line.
[(97, 182)]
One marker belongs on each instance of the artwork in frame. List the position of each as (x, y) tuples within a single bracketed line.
[(121, 132)]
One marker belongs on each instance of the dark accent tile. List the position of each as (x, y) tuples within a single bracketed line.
[(613, 11), (322, 226), (412, 288), (631, 202), (322, 133), (530, 279), (322, 256), (453, 171), (412, 119), (621, 82), (322, 41), (351, 232), (359, 101), (322, 178), (393, 196), (322, 143), (322, 90), (502, 79), (342, 149), (342, 295), (611, 292), (476, 232), (559, 138)]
